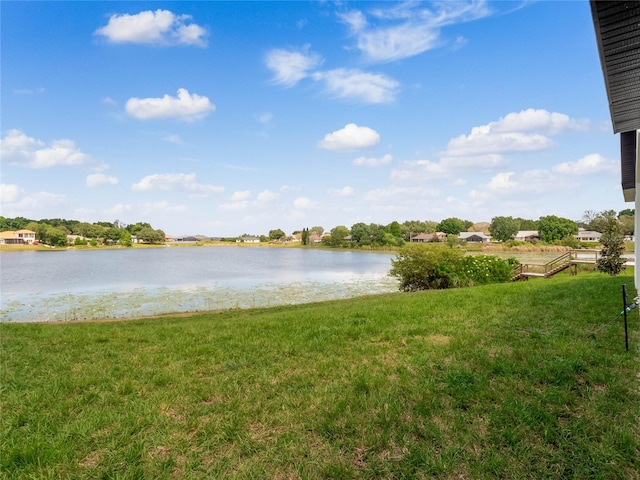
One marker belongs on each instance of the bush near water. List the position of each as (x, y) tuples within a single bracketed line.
[(426, 267)]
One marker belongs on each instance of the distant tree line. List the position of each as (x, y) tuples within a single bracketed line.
[(54, 231)]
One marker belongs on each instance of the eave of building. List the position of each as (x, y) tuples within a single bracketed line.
[(617, 29)]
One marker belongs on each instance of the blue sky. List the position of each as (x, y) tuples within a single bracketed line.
[(224, 118)]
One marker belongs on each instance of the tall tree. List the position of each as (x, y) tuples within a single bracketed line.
[(338, 235), (360, 232), (504, 228), (276, 234), (552, 228), (611, 260), (394, 229), (453, 226)]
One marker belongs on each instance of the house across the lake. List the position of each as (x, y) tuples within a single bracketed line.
[(531, 236), (475, 237), (588, 236), (248, 239), (17, 237), (429, 237)]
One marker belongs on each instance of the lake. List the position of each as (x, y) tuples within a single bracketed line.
[(96, 284)]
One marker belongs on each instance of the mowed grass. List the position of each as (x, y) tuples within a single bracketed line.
[(500, 381)]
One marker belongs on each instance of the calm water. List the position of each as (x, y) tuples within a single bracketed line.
[(93, 284)]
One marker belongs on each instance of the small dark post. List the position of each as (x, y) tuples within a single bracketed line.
[(624, 303)]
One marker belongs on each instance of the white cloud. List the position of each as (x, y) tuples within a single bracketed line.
[(304, 203), (363, 86), (396, 198), (588, 165), (502, 182), (419, 171), (538, 120), (490, 160), (239, 196), (243, 200), (10, 193), (290, 188), (515, 185), (267, 196), (351, 137), (407, 29), (373, 161), (97, 179), (341, 192), (185, 105), (161, 27), (522, 131), (126, 211), (291, 66), (234, 206), (19, 149), (178, 182), (15, 202)]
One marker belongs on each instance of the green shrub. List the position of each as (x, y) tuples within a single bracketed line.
[(425, 267), (484, 269), (570, 241)]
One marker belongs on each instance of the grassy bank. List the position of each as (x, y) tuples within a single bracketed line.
[(501, 381)]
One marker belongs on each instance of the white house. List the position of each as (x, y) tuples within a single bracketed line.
[(588, 236), (17, 237), (248, 239), (527, 236)]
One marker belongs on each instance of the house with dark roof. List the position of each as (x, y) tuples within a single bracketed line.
[(474, 237)]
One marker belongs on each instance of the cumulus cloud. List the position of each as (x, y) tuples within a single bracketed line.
[(186, 106), (588, 165), (355, 84), (162, 27), (176, 182), (291, 66), (351, 137), (267, 196), (15, 202), (504, 184), (290, 188), (10, 193), (373, 161), (97, 179), (489, 160), (341, 192), (234, 206), (304, 203), (419, 171), (527, 130), (239, 196), (19, 149), (407, 29), (243, 200)]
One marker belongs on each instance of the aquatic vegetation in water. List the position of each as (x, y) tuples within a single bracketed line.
[(142, 302)]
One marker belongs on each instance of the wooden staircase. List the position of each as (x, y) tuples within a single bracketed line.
[(557, 265)]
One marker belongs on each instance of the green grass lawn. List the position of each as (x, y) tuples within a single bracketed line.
[(500, 381)]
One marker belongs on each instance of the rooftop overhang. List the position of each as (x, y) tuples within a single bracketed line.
[(617, 29)]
